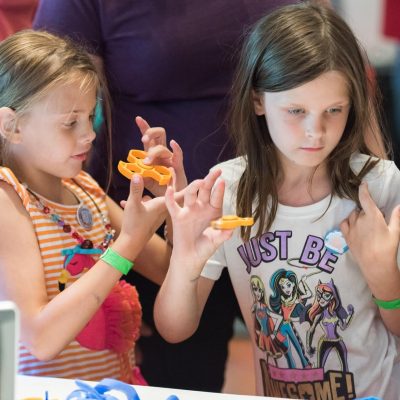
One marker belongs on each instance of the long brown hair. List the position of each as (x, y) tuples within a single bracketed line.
[(285, 49)]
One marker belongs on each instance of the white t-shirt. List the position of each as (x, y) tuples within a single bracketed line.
[(316, 332)]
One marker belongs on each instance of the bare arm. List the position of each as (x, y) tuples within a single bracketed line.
[(48, 326), (153, 260), (181, 299)]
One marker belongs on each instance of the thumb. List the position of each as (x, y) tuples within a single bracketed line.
[(136, 189), (394, 223), (223, 235)]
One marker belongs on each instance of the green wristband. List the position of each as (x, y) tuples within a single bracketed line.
[(111, 257), (387, 305)]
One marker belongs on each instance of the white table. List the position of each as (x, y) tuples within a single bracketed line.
[(58, 389)]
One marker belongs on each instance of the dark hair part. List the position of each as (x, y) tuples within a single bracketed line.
[(285, 49), (34, 62)]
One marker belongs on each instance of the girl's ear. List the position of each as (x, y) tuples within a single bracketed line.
[(8, 125), (258, 102)]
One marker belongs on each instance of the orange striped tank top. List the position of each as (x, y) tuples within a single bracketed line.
[(75, 361)]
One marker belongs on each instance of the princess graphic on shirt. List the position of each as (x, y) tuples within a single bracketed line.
[(327, 310), (266, 323), (288, 300)]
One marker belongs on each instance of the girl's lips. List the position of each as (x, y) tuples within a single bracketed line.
[(312, 149), (80, 157)]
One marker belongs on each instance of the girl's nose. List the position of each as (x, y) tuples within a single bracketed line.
[(89, 135), (314, 128)]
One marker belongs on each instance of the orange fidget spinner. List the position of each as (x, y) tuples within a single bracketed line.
[(231, 222), (135, 166)]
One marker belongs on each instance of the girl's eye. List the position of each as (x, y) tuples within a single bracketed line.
[(334, 110), (295, 111), (69, 124), (91, 117)]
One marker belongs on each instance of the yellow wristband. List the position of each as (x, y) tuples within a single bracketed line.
[(111, 257)]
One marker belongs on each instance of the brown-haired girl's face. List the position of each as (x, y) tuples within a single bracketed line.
[(57, 131), (307, 122), (286, 286)]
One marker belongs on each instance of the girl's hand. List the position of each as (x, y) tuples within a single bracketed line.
[(155, 144), (373, 242), (194, 240), (142, 216)]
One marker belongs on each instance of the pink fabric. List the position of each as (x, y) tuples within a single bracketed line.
[(391, 22), (116, 324), (137, 377), (16, 15)]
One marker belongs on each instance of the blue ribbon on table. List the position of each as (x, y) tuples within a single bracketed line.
[(99, 392)]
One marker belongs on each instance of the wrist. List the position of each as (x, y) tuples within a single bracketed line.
[(126, 247), (387, 304), (387, 286), (184, 269)]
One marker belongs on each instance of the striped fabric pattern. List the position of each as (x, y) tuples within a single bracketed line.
[(74, 362)]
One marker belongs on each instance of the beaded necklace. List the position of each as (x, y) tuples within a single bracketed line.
[(78, 258)]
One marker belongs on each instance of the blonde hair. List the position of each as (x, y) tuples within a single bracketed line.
[(32, 63)]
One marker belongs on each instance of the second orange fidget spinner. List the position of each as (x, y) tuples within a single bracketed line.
[(135, 166), (231, 222)]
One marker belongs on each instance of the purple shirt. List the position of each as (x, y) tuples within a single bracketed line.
[(169, 62)]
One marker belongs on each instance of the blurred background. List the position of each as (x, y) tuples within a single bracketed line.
[(376, 23)]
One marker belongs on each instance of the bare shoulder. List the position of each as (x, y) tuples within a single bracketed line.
[(20, 259), (11, 206)]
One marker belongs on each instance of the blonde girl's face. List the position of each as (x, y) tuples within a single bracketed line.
[(56, 133), (258, 291), (307, 122)]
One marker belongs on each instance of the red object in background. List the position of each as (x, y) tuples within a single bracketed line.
[(391, 21), (16, 15)]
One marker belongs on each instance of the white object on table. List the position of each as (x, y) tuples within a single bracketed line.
[(59, 389), (9, 328)]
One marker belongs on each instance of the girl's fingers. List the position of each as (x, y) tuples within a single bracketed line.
[(208, 183), (172, 181), (344, 227), (142, 124), (217, 196), (366, 201), (352, 218), (146, 198), (394, 222), (150, 136), (177, 156), (158, 154), (191, 191), (223, 235), (153, 137), (205, 191), (170, 201)]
